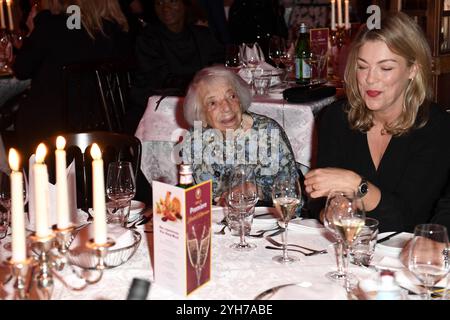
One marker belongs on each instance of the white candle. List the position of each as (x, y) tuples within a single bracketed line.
[(339, 11), (333, 15), (17, 214), (62, 198), (10, 16), (2, 16), (98, 190), (40, 175), (347, 16)]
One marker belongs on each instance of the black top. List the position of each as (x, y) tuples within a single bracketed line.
[(411, 175), (50, 46)]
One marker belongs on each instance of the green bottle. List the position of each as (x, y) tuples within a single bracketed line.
[(302, 53), (186, 179)]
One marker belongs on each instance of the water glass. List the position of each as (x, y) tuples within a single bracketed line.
[(233, 218), (364, 246), (261, 82), (117, 213)]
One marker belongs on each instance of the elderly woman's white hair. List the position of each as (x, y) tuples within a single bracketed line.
[(193, 108)]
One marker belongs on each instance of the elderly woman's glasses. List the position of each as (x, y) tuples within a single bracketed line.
[(213, 104)]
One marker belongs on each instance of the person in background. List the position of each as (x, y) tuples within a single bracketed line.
[(388, 142), (216, 19), (255, 21), (219, 99), (134, 12), (168, 55), (51, 45)]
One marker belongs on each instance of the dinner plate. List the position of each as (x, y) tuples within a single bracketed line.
[(304, 291), (306, 225), (393, 246)]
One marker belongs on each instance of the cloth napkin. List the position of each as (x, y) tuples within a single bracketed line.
[(71, 188)]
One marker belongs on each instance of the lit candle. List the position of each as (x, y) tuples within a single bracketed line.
[(339, 10), (347, 17), (10, 16), (98, 190), (333, 15), (40, 175), (17, 213), (62, 198), (2, 16)]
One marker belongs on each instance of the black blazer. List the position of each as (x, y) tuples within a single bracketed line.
[(412, 173), (50, 46)]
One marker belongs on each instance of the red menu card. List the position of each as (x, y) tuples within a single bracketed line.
[(182, 236), (319, 45)]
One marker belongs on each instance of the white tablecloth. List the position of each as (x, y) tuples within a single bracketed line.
[(160, 129)]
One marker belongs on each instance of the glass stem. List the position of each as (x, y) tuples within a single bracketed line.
[(242, 235), (285, 235), (340, 258), (346, 260)]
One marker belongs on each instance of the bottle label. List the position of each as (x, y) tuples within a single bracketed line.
[(302, 70), (298, 69), (186, 180), (306, 68)]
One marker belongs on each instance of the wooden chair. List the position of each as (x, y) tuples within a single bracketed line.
[(114, 147), (96, 93)]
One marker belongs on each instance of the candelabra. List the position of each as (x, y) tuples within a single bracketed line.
[(51, 256), (339, 39)]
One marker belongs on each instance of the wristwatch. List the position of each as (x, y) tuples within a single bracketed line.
[(363, 188)]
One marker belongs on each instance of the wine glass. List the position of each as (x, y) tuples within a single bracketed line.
[(428, 255), (251, 54), (232, 56), (348, 216), (288, 60), (198, 250), (286, 197), (120, 189), (332, 202), (277, 47), (242, 197)]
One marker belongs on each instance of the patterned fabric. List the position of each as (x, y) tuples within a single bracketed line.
[(266, 147)]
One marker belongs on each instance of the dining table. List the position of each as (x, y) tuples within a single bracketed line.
[(235, 275), (162, 125)]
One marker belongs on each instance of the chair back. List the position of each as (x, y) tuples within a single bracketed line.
[(114, 146), (95, 95)]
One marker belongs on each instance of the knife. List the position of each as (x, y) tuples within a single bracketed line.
[(389, 237)]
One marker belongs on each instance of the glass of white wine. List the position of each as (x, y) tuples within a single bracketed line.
[(286, 197), (348, 216), (428, 255)]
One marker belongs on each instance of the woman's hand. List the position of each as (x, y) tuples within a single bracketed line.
[(30, 20), (319, 182)]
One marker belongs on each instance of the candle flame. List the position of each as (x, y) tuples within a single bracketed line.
[(96, 153), (41, 152), (8, 2), (13, 158), (60, 143)]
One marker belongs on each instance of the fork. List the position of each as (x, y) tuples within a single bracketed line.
[(261, 233), (313, 251)]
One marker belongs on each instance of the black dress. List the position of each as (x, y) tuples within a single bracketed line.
[(50, 46), (411, 175)]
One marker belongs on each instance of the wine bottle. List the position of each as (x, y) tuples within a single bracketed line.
[(139, 289), (186, 180), (302, 54)]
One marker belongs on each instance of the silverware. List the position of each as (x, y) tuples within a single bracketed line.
[(276, 232), (278, 244), (263, 215), (389, 237), (276, 248), (221, 231), (260, 233)]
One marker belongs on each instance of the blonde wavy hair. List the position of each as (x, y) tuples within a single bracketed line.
[(92, 13), (405, 38)]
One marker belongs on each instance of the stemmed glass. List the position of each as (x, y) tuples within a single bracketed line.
[(286, 196), (198, 250), (348, 217), (277, 48), (287, 59), (251, 55), (121, 187), (428, 255), (242, 197), (332, 202)]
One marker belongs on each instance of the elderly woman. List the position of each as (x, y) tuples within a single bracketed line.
[(216, 106), (388, 143)]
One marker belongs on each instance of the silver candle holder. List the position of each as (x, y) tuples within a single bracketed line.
[(20, 272)]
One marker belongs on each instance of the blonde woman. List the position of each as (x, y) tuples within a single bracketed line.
[(388, 142), (52, 45)]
